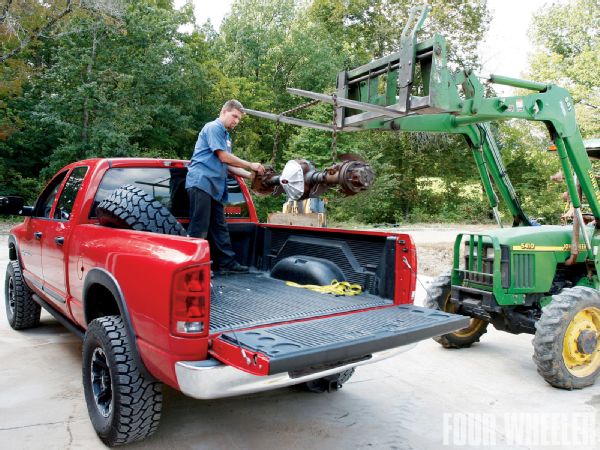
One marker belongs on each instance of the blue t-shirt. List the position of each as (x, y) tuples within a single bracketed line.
[(206, 171)]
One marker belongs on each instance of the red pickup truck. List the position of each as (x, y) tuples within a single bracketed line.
[(104, 250)]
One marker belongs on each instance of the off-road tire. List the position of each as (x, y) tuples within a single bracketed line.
[(22, 311), (329, 383), (132, 402), (548, 343), (133, 208), (437, 298)]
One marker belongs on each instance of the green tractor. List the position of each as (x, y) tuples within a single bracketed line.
[(541, 280), (528, 280)]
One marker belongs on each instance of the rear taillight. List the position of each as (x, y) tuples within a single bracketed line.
[(190, 302)]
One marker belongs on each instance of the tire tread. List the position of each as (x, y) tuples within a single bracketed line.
[(549, 335), (27, 311), (438, 290), (132, 207), (137, 399)]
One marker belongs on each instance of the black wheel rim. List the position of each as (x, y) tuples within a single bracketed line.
[(101, 382), (10, 297)]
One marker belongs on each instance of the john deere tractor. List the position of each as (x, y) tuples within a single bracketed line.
[(541, 280)]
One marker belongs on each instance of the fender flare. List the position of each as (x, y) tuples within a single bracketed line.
[(107, 280), (12, 242)]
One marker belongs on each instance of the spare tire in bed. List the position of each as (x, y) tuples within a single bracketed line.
[(133, 208)]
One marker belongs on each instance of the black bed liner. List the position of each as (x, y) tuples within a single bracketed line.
[(249, 300)]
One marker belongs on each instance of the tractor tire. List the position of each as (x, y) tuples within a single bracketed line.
[(123, 404), (329, 383), (133, 208), (567, 339), (22, 311), (438, 298)]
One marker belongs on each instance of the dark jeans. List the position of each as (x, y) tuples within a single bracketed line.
[(207, 221)]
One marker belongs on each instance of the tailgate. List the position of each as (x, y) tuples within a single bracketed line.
[(321, 343)]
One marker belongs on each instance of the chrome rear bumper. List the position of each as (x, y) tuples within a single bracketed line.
[(210, 379)]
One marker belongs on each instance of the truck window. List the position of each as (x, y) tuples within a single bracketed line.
[(167, 185), (69, 193), (44, 203), (236, 206)]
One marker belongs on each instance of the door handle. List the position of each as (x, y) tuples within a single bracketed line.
[(59, 240), (38, 235)]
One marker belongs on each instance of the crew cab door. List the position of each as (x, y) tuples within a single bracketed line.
[(329, 342), (30, 244), (55, 241)]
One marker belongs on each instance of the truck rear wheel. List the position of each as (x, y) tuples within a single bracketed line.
[(22, 311), (567, 339), (123, 404), (132, 207), (439, 298), (329, 383)]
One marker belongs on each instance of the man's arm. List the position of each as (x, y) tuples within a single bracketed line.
[(239, 172), (233, 161)]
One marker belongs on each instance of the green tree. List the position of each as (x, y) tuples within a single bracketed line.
[(568, 41), (24, 22), (368, 29), (124, 90), (362, 30)]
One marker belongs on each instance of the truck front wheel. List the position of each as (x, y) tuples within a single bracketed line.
[(567, 339), (438, 297), (22, 311), (123, 404)]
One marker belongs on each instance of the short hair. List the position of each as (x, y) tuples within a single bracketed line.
[(232, 104)]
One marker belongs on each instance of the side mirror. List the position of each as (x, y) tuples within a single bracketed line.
[(12, 205)]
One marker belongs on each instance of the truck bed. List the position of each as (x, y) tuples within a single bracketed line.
[(249, 300)]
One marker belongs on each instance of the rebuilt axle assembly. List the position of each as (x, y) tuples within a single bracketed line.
[(301, 180)]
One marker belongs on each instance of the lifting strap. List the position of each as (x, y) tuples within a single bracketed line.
[(336, 288)]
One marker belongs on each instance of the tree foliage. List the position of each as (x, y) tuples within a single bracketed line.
[(568, 42), (106, 78)]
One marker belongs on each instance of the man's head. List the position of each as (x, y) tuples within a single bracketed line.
[(231, 114)]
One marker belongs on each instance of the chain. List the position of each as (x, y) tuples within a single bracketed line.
[(334, 132), (275, 143), (300, 107), (278, 122)]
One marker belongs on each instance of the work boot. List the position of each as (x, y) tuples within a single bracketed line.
[(236, 267)]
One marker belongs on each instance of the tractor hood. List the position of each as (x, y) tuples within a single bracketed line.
[(553, 238)]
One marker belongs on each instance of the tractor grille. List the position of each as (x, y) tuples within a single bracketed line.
[(523, 271), (478, 264), (479, 268)]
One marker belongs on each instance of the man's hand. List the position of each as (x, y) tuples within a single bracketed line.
[(257, 167), (231, 160)]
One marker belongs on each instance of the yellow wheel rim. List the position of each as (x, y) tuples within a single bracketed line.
[(474, 325), (581, 363)]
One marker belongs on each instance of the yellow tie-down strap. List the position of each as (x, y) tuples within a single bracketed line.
[(336, 287)]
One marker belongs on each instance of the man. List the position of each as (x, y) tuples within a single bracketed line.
[(206, 184)]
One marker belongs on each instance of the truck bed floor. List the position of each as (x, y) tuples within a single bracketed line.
[(248, 300)]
